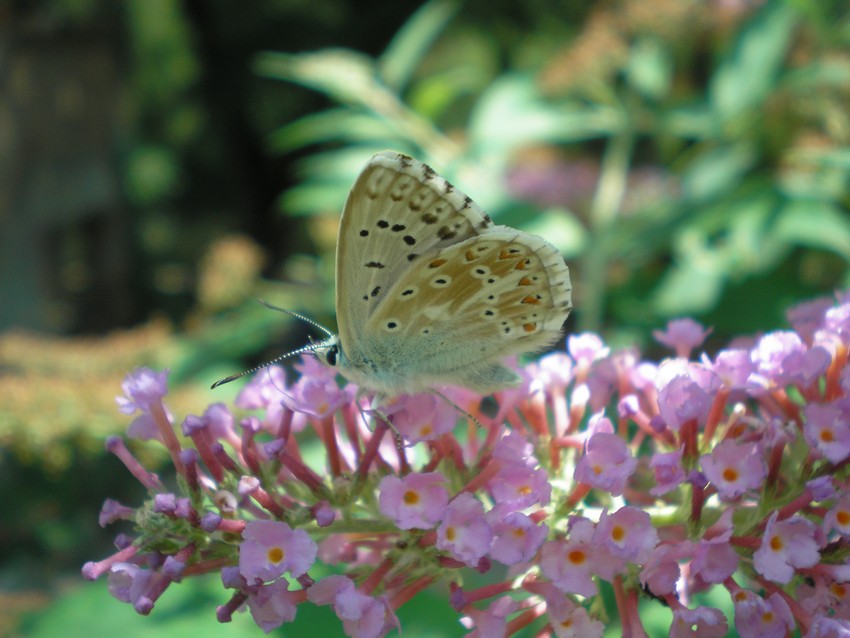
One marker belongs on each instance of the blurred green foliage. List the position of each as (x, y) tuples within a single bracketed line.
[(691, 158), (688, 157)]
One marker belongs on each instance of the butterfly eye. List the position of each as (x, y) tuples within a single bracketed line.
[(331, 356)]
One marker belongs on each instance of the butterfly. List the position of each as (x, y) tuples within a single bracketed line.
[(430, 292)]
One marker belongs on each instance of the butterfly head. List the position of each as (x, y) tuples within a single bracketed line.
[(328, 351)]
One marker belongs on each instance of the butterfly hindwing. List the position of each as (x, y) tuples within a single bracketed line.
[(466, 306)]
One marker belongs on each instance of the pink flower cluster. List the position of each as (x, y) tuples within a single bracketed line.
[(664, 480)]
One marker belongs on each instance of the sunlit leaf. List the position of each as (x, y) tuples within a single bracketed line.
[(411, 43), (650, 68), (692, 286), (342, 125), (511, 113), (343, 74), (749, 71), (716, 171), (815, 224)]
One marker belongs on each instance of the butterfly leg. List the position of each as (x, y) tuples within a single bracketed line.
[(457, 407), (375, 411)]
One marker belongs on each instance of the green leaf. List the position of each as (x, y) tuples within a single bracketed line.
[(650, 68), (511, 113), (314, 198), (749, 71), (831, 72), (434, 95), (346, 76), (333, 125), (716, 171), (692, 286), (410, 44), (815, 224), (694, 121), (748, 245)]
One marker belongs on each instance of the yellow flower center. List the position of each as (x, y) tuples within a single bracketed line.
[(410, 497), (275, 554)]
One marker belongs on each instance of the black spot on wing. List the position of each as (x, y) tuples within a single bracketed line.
[(446, 233)]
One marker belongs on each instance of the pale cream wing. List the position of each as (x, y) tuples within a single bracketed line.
[(461, 307), (398, 210)]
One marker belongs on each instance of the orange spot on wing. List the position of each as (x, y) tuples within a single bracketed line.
[(529, 327), (470, 256), (532, 300), (525, 281), (437, 263), (521, 264)]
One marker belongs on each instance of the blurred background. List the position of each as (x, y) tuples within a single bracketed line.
[(164, 163)]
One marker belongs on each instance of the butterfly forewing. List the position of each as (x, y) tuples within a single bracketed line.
[(398, 209)]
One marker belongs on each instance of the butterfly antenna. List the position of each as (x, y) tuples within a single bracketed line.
[(310, 348), (232, 377), (297, 316)]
